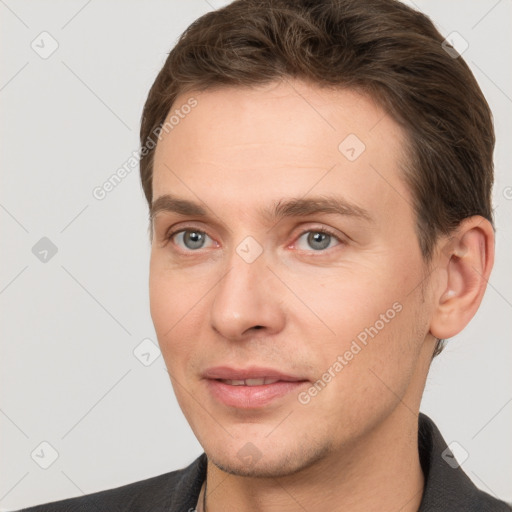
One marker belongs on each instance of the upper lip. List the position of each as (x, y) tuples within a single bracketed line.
[(253, 372)]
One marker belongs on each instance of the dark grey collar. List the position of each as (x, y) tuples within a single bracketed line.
[(447, 487)]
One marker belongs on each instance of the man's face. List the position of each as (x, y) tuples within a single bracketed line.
[(327, 301)]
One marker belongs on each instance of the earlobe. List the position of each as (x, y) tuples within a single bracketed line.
[(466, 259)]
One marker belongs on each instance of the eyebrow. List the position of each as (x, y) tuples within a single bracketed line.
[(293, 207), (172, 204)]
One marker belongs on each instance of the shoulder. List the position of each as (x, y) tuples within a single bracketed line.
[(447, 487), (176, 490)]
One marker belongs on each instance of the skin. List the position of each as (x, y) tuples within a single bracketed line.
[(353, 447)]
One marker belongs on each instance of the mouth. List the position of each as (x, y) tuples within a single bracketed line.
[(250, 388)]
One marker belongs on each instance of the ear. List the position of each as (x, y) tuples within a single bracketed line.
[(466, 258)]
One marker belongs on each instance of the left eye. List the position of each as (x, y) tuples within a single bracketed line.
[(317, 240)]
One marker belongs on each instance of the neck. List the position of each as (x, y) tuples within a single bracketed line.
[(378, 472)]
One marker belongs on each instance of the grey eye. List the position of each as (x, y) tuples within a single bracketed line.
[(192, 239), (318, 240)]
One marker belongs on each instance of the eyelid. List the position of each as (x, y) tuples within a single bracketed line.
[(176, 228), (318, 229), (182, 232), (173, 230)]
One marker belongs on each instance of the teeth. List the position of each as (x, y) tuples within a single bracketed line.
[(254, 382), (250, 382), (236, 382)]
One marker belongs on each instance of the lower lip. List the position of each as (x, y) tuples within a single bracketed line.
[(250, 397)]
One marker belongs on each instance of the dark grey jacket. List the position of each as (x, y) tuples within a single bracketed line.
[(447, 489)]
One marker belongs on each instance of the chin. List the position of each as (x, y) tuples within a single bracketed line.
[(271, 462)]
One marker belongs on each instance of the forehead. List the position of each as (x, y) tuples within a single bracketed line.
[(283, 139)]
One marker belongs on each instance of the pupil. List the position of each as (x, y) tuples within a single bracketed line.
[(319, 240), (194, 239)]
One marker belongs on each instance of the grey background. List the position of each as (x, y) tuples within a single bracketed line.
[(70, 325)]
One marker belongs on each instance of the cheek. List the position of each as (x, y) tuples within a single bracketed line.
[(366, 307), (366, 369), (172, 292), (346, 301), (162, 302), (176, 311)]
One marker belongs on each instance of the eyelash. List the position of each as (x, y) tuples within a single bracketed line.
[(170, 235)]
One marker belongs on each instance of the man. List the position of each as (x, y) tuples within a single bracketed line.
[(319, 178)]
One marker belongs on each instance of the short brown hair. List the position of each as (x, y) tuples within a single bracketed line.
[(381, 48)]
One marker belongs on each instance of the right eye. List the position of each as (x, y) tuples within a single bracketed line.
[(189, 239)]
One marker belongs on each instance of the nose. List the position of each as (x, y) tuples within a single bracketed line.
[(247, 300)]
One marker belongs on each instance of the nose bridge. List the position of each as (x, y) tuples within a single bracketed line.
[(243, 298), (247, 262)]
